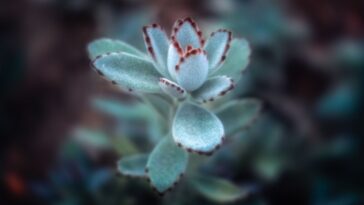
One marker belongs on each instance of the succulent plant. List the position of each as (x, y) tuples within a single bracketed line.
[(180, 78)]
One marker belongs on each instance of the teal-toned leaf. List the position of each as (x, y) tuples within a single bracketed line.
[(157, 44), (192, 70), (166, 165), (186, 32), (239, 114), (174, 55), (237, 59), (122, 110), (104, 45), (197, 129), (214, 88), (217, 47), (92, 138), (172, 89), (219, 190), (128, 71), (133, 165)]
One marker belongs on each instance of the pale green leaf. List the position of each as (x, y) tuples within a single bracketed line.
[(197, 129), (130, 72), (133, 165), (166, 165), (104, 45), (238, 114), (213, 89), (219, 190), (237, 59)]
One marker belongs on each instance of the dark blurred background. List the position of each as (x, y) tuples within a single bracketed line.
[(307, 66)]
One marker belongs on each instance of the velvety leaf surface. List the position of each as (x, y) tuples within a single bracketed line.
[(133, 165), (174, 55), (197, 129), (157, 44), (166, 165), (192, 70), (218, 190), (186, 32), (213, 88), (128, 71), (237, 59), (105, 45), (217, 47), (237, 115), (172, 89)]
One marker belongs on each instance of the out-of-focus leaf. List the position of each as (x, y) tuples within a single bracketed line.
[(98, 179), (95, 139), (161, 104), (166, 165), (219, 190), (123, 146), (133, 165), (238, 114), (102, 46), (123, 110)]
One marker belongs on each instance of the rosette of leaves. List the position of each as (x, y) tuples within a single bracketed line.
[(179, 78)]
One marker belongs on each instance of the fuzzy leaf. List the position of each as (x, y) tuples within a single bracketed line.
[(172, 89), (239, 114), (129, 71), (197, 129), (192, 70), (218, 190), (104, 45), (186, 32), (133, 165), (174, 56), (157, 44), (217, 47), (213, 88), (166, 165), (236, 60)]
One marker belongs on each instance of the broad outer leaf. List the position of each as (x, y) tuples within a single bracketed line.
[(166, 165), (213, 88), (133, 165), (196, 129), (237, 59), (104, 45), (239, 114), (218, 190), (128, 71)]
